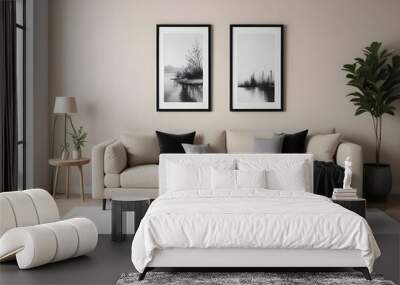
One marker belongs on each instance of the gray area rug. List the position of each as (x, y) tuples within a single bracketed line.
[(269, 278)]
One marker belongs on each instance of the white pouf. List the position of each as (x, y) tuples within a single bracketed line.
[(32, 233)]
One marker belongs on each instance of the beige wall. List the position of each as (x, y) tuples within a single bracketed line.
[(103, 52)]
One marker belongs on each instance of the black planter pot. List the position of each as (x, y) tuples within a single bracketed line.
[(377, 181)]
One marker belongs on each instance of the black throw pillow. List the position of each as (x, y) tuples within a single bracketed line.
[(295, 143), (171, 143)]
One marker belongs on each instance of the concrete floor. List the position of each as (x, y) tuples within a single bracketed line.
[(103, 266), (391, 206)]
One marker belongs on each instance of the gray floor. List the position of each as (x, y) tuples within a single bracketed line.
[(103, 266), (110, 260)]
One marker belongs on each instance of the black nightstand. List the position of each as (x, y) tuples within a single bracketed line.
[(357, 205)]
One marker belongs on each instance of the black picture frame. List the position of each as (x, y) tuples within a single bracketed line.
[(282, 81), (209, 103)]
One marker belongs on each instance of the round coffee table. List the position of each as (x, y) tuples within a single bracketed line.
[(57, 163), (139, 205)]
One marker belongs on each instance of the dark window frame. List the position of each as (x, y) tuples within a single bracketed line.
[(23, 141)]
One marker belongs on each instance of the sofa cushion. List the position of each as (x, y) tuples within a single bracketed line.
[(115, 158), (214, 138), (172, 143), (196, 148), (271, 145), (323, 147), (295, 143), (140, 176), (142, 148), (243, 141)]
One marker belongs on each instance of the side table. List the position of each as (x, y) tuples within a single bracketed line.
[(357, 205), (57, 163), (123, 204)]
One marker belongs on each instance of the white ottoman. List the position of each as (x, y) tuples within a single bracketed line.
[(34, 244)]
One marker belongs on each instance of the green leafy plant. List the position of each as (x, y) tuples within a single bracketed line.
[(376, 78), (78, 137)]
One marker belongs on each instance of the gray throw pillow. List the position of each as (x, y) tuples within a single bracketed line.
[(271, 145), (196, 148)]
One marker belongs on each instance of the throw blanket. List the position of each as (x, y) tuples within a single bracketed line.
[(327, 175), (252, 218)]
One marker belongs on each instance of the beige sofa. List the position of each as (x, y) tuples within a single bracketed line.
[(128, 166)]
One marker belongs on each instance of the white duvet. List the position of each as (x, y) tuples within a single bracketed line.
[(250, 219)]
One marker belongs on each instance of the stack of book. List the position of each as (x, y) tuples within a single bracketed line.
[(344, 194)]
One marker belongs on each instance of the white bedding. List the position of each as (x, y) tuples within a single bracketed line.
[(251, 218)]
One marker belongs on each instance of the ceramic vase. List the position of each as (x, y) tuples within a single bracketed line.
[(76, 153)]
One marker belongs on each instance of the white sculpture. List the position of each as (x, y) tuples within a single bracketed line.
[(347, 173)]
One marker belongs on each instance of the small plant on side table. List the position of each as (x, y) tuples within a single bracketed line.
[(78, 140)]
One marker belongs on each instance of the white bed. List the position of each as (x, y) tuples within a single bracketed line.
[(283, 224)]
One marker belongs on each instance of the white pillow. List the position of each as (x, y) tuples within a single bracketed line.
[(236, 179), (251, 178), (282, 174), (182, 178), (293, 179), (223, 179), (186, 175)]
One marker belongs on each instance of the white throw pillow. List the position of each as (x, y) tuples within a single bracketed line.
[(226, 179), (282, 173), (185, 175), (223, 179), (293, 179), (251, 178), (323, 146), (182, 178)]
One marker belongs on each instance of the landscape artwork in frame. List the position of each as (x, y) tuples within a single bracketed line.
[(183, 68), (256, 68)]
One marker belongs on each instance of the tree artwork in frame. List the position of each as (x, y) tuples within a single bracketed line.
[(183, 68), (256, 74)]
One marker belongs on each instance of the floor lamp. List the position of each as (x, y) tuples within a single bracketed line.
[(64, 106)]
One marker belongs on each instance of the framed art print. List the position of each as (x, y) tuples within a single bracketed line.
[(183, 68), (256, 74)]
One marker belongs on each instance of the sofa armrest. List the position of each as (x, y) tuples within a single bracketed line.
[(353, 150), (98, 169)]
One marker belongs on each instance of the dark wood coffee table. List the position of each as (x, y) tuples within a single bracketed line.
[(125, 204)]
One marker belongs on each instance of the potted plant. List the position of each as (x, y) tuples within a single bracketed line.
[(78, 140), (376, 78)]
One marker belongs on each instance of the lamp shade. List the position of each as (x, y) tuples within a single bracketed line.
[(65, 105)]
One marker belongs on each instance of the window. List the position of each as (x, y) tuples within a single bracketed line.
[(21, 80)]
